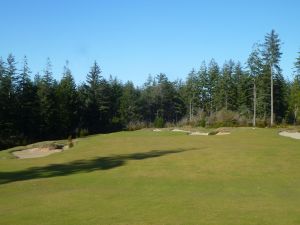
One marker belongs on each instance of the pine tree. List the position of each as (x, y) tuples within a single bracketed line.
[(93, 105), (294, 100), (212, 85), (147, 103), (67, 103), (297, 66), (128, 104), (48, 103), (192, 85), (114, 100), (203, 86), (8, 101), (2, 103), (27, 102), (272, 57), (226, 88), (255, 68), (242, 86)]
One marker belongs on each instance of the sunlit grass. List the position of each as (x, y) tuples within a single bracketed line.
[(144, 177)]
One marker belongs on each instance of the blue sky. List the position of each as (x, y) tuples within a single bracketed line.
[(132, 39)]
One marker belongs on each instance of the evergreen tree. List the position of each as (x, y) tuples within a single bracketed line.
[(294, 100), (67, 103), (272, 57), (243, 90), (212, 86), (297, 65), (114, 101), (128, 104), (92, 116), (203, 86), (226, 89), (254, 64), (27, 102), (192, 91), (47, 103), (9, 107), (147, 101), (2, 104)]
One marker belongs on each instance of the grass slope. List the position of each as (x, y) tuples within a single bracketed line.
[(144, 177)]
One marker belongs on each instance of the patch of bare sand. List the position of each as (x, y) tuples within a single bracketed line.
[(179, 130), (157, 130), (222, 133), (295, 135), (199, 134), (35, 153)]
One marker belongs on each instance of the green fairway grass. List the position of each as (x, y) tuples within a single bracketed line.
[(251, 176)]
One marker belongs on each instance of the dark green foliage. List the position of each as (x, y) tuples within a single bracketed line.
[(48, 107), (67, 97), (43, 108), (159, 122), (83, 133), (213, 132), (70, 142), (128, 104)]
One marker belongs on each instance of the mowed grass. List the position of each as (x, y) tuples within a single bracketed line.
[(144, 177)]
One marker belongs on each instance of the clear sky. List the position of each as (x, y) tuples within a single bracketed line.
[(132, 39)]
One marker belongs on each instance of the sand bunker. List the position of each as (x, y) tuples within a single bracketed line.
[(223, 133), (35, 153), (157, 130), (295, 135), (199, 133), (178, 130)]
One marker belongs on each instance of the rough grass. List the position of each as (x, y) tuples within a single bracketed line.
[(145, 177)]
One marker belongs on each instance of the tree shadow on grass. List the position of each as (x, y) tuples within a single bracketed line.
[(79, 166)]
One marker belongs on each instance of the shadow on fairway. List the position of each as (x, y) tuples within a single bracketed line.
[(78, 166)]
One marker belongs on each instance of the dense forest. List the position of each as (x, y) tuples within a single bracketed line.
[(251, 94)]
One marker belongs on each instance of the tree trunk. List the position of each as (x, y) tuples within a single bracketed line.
[(226, 102), (254, 104), (272, 106), (190, 110), (295, 114)]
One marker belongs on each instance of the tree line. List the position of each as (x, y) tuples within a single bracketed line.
[(234, 94)]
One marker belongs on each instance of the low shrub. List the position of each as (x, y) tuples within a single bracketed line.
[(83, 133), (70, 142), (135, 125), (214, 132), (159, 122), (226, 118)]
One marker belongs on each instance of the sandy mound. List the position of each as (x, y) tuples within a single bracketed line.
[(223, 133), (178, 130), (199, 133), (157, 130), (295, 135), (35, 153)]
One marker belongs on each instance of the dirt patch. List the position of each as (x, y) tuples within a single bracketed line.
[(35, 153), (295, 135)]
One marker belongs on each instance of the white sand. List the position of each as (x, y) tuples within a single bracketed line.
[(178, 130), (199, 133), (157, 130), (295, 135), (35, 153), (223, 133)]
